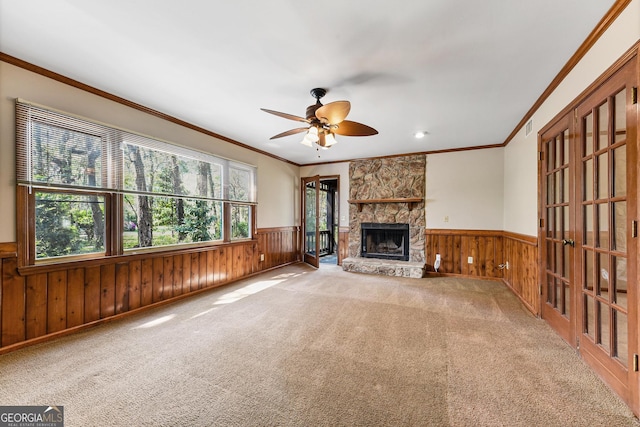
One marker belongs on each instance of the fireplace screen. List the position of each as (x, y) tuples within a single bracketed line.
[(386, 241)]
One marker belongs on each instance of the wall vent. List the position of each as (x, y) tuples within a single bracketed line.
[(528, 127)]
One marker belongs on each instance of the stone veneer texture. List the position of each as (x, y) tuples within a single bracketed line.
[(388, 178)]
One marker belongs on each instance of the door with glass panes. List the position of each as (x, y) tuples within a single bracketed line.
[(588, 238)]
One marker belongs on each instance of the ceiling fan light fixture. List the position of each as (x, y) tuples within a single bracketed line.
[(312, 135), (329, 140)]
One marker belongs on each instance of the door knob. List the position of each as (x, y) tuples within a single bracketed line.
[(568, 242)]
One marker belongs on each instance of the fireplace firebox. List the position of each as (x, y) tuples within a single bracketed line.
[(385, 241)]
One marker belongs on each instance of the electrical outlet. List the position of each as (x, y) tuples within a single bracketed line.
[(470, 260), (507, 265), (446, 218), (261, 257)]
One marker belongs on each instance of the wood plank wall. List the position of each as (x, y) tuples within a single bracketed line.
[(522, 276), (489, 250), (46, 302), (343, 244)]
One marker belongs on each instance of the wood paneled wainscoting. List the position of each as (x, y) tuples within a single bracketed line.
[(45, 301), (490, 252)]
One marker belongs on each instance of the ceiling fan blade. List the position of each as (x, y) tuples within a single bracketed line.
[(289, 132), (286, 116), (349, 128), (333, 112)]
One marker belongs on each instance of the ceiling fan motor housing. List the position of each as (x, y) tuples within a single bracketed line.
[(317, 93)]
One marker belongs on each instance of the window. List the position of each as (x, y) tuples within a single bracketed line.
[(98, 190)]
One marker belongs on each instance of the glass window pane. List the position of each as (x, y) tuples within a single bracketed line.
[(550, 256), (605, 335), (588, 135), (603, 126), (155, 171), (559, 262), (152, 221), (588, 225), (565, 140), (588, 180), (68, 224), (622, 337), (550, 189), (620, 171), (558, 184), (240, 222), (603, 176), (550, 154), (603, 225), (559, 148), (64, 156), (589, 324), (558, 290), (567, 299), (588, 271), (565, 227), (621, 281), (550, 292), (566, 267), (603, 276), (310, 217), (620, 226), (620, 103), (565, 185), (558, 222), (240, 185)]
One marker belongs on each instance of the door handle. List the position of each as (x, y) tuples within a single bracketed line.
[(569, 242)]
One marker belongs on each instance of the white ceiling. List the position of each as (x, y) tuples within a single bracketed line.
[(464, 71)]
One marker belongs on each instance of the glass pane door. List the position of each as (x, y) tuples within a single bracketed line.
[(557, 237), (604, 252), (607, 212), (310, 220)]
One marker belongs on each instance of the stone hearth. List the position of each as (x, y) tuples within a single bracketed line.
[(385, 267), (384, 182)]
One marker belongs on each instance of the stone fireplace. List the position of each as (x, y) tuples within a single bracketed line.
[(387, 192)]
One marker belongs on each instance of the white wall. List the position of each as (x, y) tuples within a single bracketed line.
[(278, 182), (334, 169), (466, 186), (465, 190), (520, 158)]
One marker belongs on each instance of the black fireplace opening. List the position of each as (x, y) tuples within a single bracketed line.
[(385, 241)]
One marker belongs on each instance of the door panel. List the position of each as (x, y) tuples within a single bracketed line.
[(557, 237), (310, 220), (606, 153)]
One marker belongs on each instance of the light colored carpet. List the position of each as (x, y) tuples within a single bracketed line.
[(304, 347)]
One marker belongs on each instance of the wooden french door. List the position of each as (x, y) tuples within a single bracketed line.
[(606, 220), (310, 220), (589, 245), (558, 235)]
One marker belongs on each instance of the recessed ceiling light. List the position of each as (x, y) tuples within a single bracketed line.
[(420, 134)]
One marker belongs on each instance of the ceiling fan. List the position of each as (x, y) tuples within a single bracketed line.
[(325, 121)]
